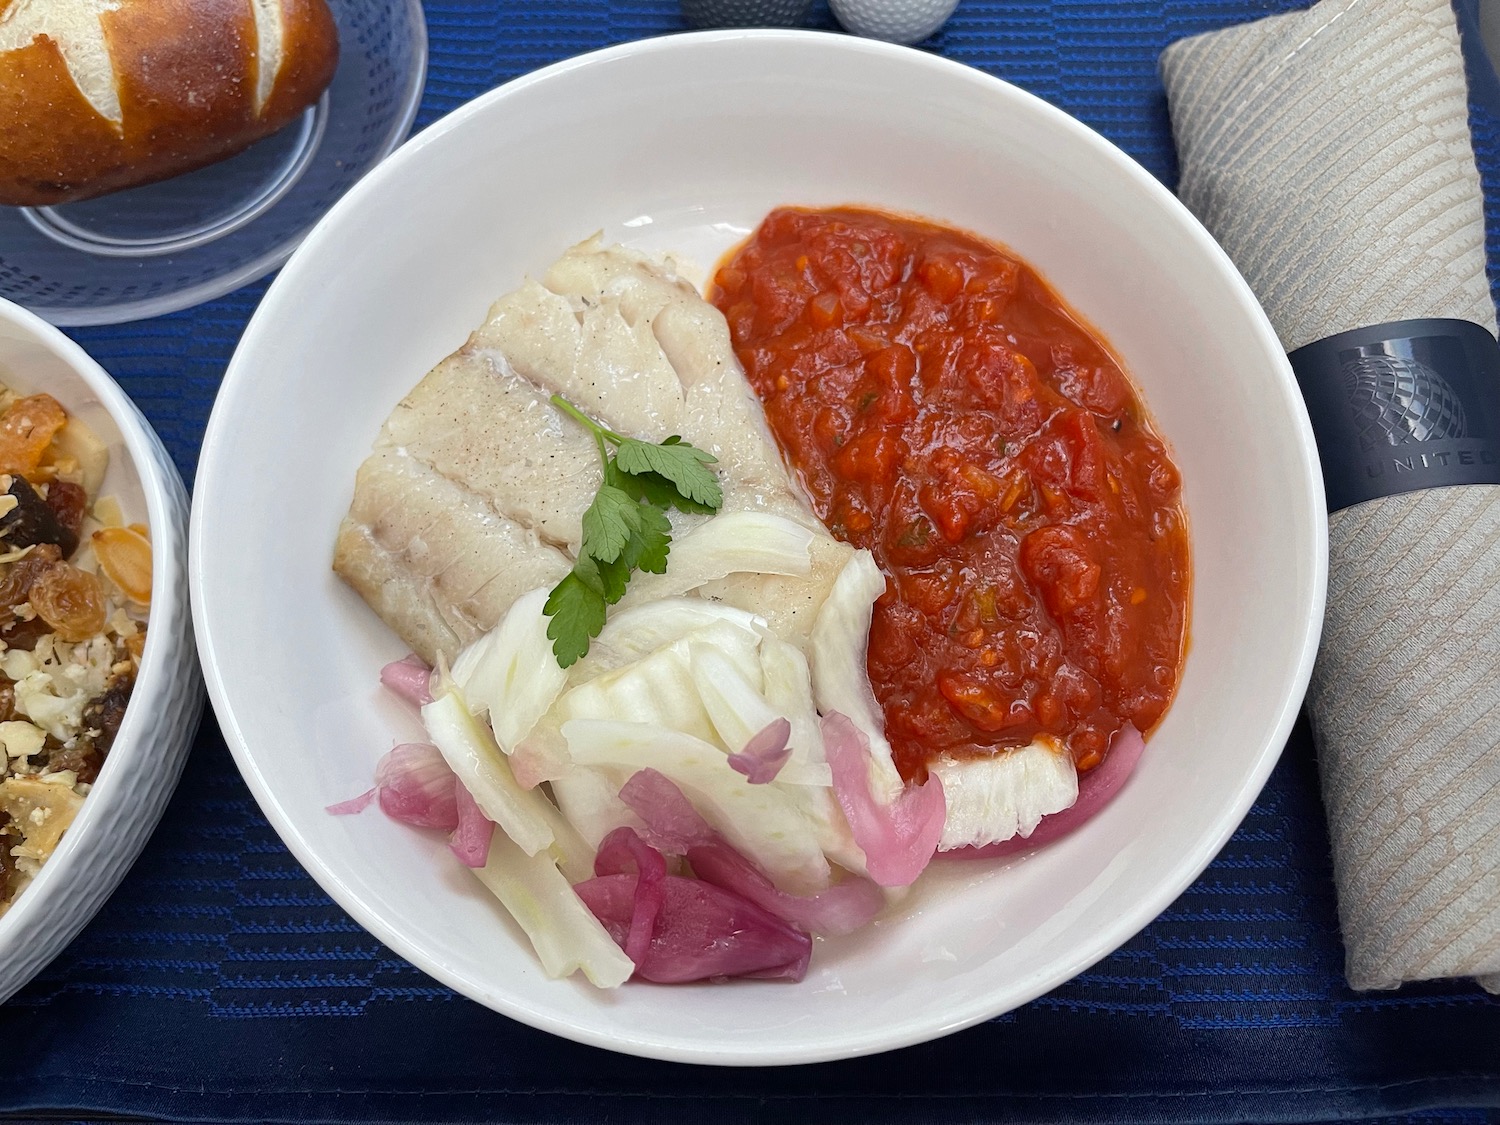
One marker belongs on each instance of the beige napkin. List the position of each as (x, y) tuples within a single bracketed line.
[(1329, 153)]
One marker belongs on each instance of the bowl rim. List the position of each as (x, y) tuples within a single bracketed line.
[(157, 668), (868, 1040)]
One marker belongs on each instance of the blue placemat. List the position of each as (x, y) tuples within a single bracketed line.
[(220, 982)]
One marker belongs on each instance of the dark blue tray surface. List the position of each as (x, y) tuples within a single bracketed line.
[(221, 983)]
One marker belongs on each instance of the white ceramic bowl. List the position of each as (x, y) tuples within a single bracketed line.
[(147, 756), (685, 143)]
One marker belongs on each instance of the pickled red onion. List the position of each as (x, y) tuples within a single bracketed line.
[(764, 755), (352, 805), (409, 679), (702, 932), (898, 839), (841, 909), (621, 850), (472, 834), (674, 826), (415, 786)]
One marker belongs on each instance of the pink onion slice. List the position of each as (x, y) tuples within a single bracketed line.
[(1095, 790), (619, 852), (841, 909), (898, 839), (674, 826), (766, 752), (702, 932), (471, 837), (416, 787), (413, 785), (352, 805), (410, 679)]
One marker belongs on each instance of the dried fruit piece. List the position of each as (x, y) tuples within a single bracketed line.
[(106, 713), (23, 633), (124, 556), (18, 577), (69, 503), (33, 520), (71, 601), (83, 757), (26, 429)]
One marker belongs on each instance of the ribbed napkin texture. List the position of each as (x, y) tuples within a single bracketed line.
[(1329, 153)]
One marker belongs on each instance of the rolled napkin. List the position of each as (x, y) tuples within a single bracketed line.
[(1329, 152)]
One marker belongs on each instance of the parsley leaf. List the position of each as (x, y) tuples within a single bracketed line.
[(654, 489), (655, 540), (625, 527), (608, 579), (577, 612), (610, 522), (684, 465)]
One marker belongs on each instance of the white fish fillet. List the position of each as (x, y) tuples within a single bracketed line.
[(436, 562), (477, 483)]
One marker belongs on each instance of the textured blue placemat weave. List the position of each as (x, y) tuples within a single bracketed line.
[(221, 983)]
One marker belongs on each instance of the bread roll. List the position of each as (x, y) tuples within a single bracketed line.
[(98, 95)]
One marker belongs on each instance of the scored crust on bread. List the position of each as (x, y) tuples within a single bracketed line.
[(269, 28), (77, 27), (98, 95)]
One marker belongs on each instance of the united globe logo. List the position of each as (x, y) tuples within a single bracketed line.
[(1395, 401)]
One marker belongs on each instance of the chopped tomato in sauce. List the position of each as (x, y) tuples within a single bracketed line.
[(944, 409)]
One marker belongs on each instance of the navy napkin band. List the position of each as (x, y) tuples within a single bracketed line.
[(1403, 406)]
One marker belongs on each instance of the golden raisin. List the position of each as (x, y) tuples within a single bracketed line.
[(17, 578), (26, 429), (70, 600)]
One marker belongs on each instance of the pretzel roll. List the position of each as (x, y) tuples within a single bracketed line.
[(99, 95)]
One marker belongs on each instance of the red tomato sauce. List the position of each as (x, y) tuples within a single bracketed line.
[(945, 410)]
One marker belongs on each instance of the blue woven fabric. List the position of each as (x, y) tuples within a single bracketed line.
[(221, 983)]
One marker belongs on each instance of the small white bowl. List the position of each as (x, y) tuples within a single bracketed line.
[(143, 765), (685, 143)]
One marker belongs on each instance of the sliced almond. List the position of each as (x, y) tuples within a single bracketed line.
[(124, 556), (107, 511)]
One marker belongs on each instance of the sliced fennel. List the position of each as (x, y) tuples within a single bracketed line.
[(730, 543), (993, 799), (641, 630), (589, 796), (563, 931), (527, 817), (739, 711), (659, 688), (840, 636), (510, 673), (761, 820), (542, 754), (788, 689)]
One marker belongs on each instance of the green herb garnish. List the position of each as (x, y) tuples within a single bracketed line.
[(625, 528)]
